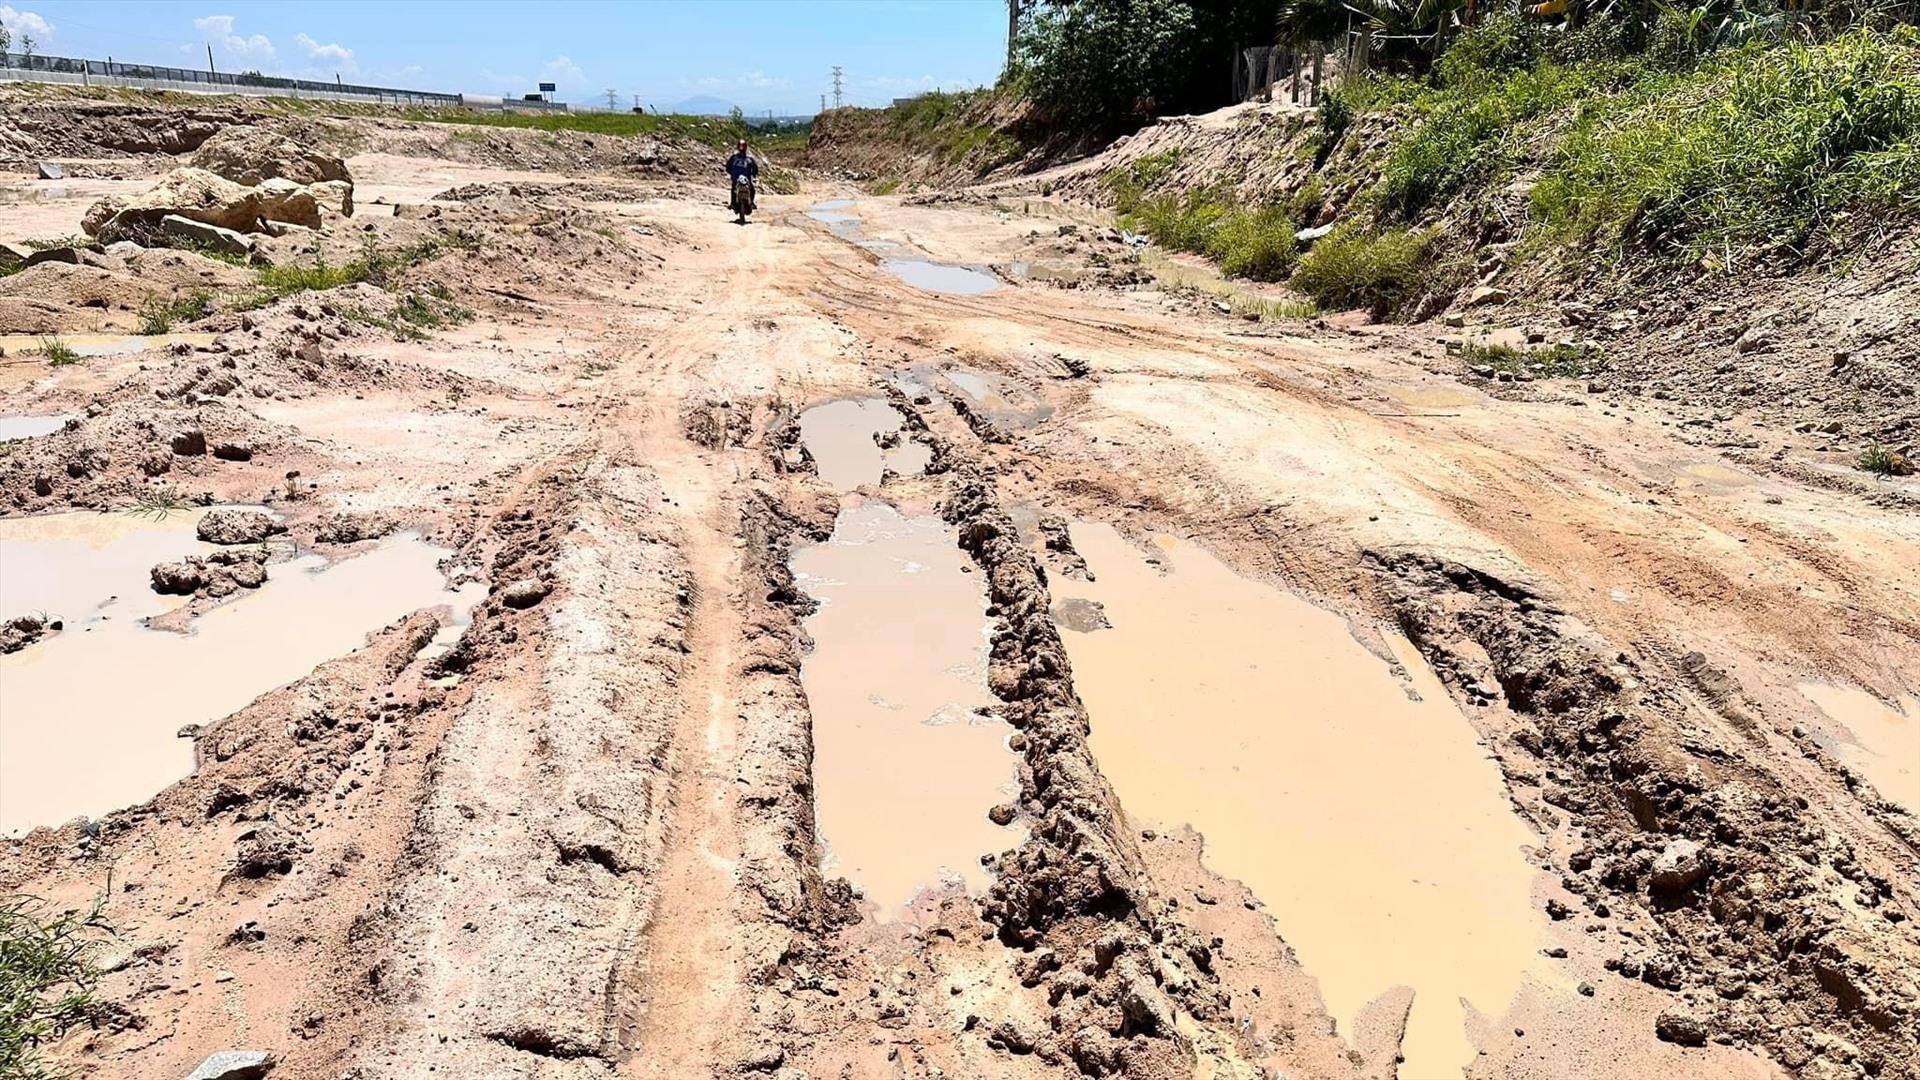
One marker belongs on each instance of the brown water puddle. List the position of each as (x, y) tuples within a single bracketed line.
[(840, 435), (99, 344), (89, 718), (1372, 825), (904, 767), (1876, 741), (999, 397)]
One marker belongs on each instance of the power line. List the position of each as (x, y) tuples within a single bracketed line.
[(837, 98)]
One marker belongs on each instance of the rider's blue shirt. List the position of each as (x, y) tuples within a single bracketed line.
[(742, 164)]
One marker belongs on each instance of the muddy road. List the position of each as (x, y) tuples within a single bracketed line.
[(883, 641)]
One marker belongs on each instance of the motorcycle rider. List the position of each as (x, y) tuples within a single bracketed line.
[(742, 167)]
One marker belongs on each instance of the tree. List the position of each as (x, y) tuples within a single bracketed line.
[(26, 47), (6, 39)]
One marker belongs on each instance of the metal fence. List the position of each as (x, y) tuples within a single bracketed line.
[(20, 67)]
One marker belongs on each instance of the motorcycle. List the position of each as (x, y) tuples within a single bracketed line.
[(741, 202)]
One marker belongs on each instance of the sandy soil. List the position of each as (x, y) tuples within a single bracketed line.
[(583, 843)]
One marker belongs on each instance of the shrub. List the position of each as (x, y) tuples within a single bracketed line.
[(1349, 269), (1257, 244)]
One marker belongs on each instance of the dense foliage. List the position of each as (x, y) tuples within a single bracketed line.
[(1108, 65)]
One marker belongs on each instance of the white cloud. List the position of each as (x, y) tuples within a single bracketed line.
[(337, 55), (562, 70), (23, 23), (751, 80), (219, 31)]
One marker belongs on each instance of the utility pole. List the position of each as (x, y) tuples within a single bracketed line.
[(636, 102), (613, 99), (210, 70), (823, 103), (837, 98)]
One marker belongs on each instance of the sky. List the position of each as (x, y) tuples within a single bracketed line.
[(760, 54)]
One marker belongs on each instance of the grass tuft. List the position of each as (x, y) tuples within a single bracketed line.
[(1559, 361), (155, 503), (1883, 462), (58, 353), (46, 984), (158, 316)]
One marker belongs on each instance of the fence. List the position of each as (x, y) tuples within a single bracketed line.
[(1270, 72), (20, 67)]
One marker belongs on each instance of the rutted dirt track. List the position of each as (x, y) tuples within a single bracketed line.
[(583, 842)]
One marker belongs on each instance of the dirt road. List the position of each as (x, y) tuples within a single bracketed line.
[(1641, 695)]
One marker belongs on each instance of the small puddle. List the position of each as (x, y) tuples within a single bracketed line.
[(941, 277), (904, 768), (89, 718), (1373, 826), (841, 437), (99, 344), (1876, 741), (30, 427)]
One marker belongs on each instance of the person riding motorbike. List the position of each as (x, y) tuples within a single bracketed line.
[(743, 171)]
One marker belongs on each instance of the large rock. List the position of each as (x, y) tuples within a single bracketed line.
[(194, 194), (284, 200), (199, 234), (333, 195), (226, 526), (198, 195), (249, 155), (234, 1065)]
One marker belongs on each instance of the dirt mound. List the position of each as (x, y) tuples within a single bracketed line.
[(37, 122), (247, 154)]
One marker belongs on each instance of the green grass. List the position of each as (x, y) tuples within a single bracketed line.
[(155, 503), (71, 240), (158, 316), (1559, 361), (46, 984), (416, 313), (1348, 268), (1248, 242), (1883, 462), (58, 353), (1758, 147), (375, 266), (708, 130)]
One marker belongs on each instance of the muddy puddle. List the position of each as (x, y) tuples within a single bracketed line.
[(896, 680), (99, 344), (1372, 825), (844, 437), (911, 267), (89, 718), (941, 277), (31, 427), (1874, 739), (1002, 400)]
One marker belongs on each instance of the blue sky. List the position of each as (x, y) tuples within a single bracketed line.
[(761, 54)]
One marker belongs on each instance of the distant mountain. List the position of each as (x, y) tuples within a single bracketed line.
[(702, 105)]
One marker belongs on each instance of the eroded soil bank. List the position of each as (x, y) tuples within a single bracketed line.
[(819, 713)]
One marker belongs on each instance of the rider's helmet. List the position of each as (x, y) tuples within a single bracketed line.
[(742, 145)]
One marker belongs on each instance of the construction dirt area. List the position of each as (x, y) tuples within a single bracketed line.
[(533, 626)]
